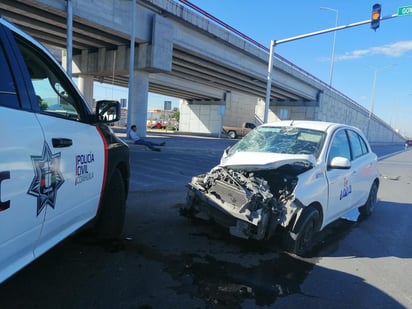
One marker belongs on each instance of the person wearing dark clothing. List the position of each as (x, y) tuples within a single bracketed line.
[(140, 141)]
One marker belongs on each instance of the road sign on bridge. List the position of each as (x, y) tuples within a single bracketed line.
[(405, 10)]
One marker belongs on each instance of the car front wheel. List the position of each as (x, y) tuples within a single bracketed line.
[(301, 239), (111, 215), (367, 209)]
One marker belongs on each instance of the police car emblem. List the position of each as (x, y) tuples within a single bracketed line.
[(47, 179)]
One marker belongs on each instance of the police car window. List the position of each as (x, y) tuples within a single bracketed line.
[(52, 96), (8, 95)]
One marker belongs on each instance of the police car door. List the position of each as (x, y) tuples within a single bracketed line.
[(69, 169), (21, 140)]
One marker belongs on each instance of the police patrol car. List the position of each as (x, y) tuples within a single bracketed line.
[(60, 165)]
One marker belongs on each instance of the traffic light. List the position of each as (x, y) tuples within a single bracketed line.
[(376, 16)]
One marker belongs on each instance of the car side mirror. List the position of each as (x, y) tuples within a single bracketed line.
[(226, 151), (339, 163), (108, 111)]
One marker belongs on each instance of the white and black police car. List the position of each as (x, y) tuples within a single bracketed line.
[(61, 166)]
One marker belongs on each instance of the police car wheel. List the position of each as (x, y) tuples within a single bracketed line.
[(111, 216)]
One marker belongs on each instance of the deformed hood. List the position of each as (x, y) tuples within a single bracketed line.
[(252, 161)]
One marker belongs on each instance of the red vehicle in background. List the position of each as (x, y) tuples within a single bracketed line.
[(408, 143), (158, 125)]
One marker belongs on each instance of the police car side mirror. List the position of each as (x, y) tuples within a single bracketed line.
[(108, 111)]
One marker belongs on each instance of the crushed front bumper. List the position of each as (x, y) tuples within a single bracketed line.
[(249, 210)]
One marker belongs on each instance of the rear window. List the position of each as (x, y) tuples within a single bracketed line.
[(358, 145)]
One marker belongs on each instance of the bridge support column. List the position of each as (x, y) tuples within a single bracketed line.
[(137, 109), (86, 87)]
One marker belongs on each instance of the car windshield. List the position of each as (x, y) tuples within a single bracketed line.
[(290, 140)]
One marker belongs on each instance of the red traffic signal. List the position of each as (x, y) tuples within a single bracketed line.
[(376, 16)]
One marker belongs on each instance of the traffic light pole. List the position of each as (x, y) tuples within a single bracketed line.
[(273, 44)]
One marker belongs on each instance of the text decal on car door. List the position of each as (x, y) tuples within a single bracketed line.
[(83, 170), (347, 189)]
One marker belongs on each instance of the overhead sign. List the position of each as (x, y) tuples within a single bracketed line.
[(168, 105), (405, 10)]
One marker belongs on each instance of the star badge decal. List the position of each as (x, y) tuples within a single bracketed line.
[(47, 179)]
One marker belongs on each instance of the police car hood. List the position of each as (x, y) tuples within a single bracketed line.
[(253, 161)]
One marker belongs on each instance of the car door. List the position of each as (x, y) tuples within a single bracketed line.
[(363, 166), (69, 168), (340, 181), (21, 139)]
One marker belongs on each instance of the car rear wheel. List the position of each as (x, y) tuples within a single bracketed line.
[(367, 209), (301, 239), (232, 134), (111, 216)]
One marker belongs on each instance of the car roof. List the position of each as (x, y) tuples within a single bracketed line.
[(12, 27), (306, 124)]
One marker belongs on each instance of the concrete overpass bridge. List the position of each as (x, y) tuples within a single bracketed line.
[(219, 74)]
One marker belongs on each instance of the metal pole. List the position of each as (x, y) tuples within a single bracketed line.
[(298, 37), (273, 43), (131, 68), (332, 62), (69, 42), (333, 50), (269, 81), (372, 102), (373, 95)]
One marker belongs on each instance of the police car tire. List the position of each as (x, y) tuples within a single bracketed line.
[(367, 209), (111, 216), (301, 240)]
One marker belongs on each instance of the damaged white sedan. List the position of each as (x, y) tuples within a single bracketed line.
[(288, 177)]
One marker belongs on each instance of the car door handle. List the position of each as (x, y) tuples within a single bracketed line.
[(61, 142)]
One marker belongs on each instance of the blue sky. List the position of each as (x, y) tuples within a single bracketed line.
[(360, 52)]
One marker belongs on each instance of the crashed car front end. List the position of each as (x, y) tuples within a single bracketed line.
[(250, 200), (253, 191)]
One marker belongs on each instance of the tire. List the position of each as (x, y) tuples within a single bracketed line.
[(367, 209), (232, 134), (301, 239), (111, 216)]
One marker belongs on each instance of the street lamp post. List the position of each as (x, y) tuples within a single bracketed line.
[(273, 43), (131, 94), (269, 80), (375, 75), (332, 61)]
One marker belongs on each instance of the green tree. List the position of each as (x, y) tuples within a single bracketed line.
[(176, 114)]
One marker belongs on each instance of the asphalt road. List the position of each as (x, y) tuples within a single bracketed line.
[(165, 260)]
